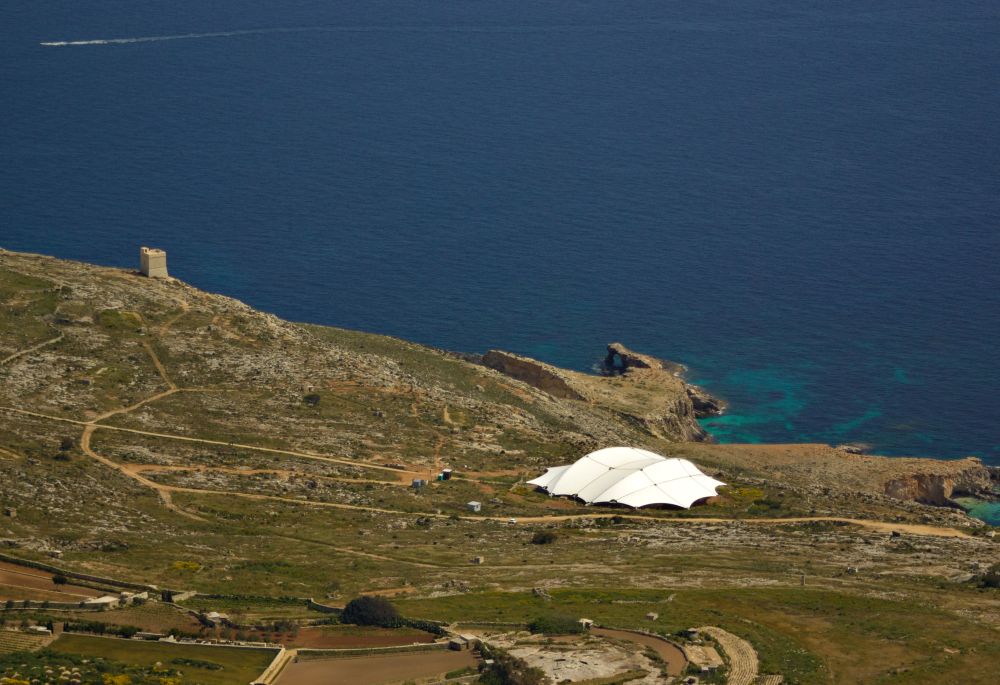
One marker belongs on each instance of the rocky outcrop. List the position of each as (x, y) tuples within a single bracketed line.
[(535, 373), (704, 404), (620, 358), (939, 488), (639, 390)]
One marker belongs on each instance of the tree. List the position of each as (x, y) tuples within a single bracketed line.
[(508, 669), (312, 400), (67, 444), (371, 611), (60, 579), (555, 624)]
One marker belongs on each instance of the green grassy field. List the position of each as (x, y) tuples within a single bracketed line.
[(238, 666), (810, 636)]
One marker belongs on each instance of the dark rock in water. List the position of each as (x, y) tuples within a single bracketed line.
[(704, 404), (620, 359)]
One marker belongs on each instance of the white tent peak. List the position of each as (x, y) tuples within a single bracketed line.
[(630, 476)]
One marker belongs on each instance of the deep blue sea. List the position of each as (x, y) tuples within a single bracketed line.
[(798, 200)]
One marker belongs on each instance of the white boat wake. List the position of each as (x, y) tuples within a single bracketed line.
[(179, 36), (338, 29)]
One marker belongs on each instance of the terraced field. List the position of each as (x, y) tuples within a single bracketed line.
[(13, 641)]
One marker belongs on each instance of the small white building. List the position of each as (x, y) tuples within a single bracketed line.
[(474, 506), (105, 602)]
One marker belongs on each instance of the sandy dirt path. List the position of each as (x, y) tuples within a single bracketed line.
[(90, 427), (31, 349)]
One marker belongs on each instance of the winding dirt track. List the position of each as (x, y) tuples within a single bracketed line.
[(90, 427), (31, 349), (164, 491)]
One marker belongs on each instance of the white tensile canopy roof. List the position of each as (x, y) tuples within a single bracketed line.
[(629, 476)]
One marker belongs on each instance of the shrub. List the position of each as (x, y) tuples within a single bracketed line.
[(312, 400), (371, 611), (555, 624), (991, 578), (60, 579), (544, 537), (197, 663)]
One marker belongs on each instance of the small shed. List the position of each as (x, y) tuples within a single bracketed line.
[(586, 623), (214, 618), (10, 511), (458, 643), (418, 483), (652, 616), (478, 560), (446, 474), (105, 602), (474, 506)]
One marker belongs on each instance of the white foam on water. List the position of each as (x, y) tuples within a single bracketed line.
[(330, 29), (179, 36)]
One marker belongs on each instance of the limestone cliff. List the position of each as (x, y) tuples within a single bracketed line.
[(638, 389), (937, 485), (622, 360), (537, 374)]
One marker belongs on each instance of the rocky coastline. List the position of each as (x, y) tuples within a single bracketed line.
[(642, 390)]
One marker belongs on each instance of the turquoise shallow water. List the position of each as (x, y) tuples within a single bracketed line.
[(799, 201), (985, 511)]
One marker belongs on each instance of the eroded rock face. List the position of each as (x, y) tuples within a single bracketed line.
[(535, 373), (939, 488), (621, 358)]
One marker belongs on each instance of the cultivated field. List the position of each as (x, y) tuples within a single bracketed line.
[(14, 641), (374, 670), (225, 665), (351, 637), (23, 582)]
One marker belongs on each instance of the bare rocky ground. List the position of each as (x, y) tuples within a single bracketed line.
[(578, 658)]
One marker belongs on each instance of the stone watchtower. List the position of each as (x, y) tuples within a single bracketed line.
[(153, 262)]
